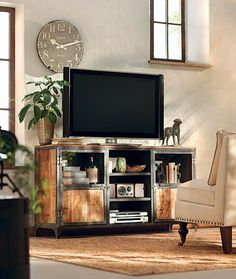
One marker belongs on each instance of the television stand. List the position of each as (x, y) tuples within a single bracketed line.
[(72, 203)]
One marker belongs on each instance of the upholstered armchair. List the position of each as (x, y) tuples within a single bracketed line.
[(213, 200)]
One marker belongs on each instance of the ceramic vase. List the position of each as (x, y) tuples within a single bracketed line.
[(121, 165)]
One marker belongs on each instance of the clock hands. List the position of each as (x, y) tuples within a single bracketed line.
[(71, 44), (54, 42)]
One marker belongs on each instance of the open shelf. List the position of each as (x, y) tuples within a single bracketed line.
[(168, 185), (129, 174), (129, 199), (82, 186)]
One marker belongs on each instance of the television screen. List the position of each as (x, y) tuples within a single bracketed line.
[(112, 104)]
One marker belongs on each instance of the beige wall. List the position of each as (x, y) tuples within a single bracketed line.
[(116, 36)]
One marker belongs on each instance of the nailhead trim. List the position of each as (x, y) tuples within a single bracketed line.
[(199, 221)]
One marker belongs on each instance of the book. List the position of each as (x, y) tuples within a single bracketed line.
[(71, 168), (171, 174), (77, 140), (74, 173), (75, 180)]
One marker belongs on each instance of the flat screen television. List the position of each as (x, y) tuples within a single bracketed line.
[(113, 104)]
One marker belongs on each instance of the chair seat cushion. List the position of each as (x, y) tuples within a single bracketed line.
[(197, 191)]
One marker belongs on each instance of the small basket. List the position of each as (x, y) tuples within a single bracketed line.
[(137, 168)]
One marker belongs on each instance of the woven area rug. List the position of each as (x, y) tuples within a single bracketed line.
[(139, 254)]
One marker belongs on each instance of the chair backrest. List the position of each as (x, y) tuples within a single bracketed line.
[(226, 179), (215, 162)]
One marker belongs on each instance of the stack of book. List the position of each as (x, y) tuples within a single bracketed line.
[(77, 140), (172, 172), (167, 173), (73, 176)]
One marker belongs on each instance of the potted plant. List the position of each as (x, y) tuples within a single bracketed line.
[(22, 181), (44, 103)]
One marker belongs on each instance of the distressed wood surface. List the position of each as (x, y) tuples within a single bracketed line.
[(164, 204), (46, 173), (80, 206)]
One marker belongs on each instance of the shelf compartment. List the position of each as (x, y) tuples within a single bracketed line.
[(167, 185), (130, 174), (133, 157), (82, 186), (78, 161), (185, 161), (130, 199)]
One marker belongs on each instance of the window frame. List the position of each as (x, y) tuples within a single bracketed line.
[(11, 61), (183, 33)]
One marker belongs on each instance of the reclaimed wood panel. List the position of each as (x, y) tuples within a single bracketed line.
[(164, 204), (96, 206), (46, 173), (83, 206)]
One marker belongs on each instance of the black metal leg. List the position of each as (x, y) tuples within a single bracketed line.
[(183, 231), (58, 233)]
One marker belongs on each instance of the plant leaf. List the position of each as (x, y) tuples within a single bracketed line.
[(36, 98), (44, 113), (47, 99), (32, 123), (37, 113), (23, 112), (52, 117), (48, 78), (55, 102), (57, 111), (55, 89), (30, 82), (60, 83), (30, 95)]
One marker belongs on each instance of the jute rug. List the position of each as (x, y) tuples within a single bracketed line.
[(139, 254)]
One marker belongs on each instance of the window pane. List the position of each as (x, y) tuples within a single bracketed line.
[(160, 10), (175, 44), (4, 84), (198, 28), (4, 35), (160, 41), (4, 119), (174, 11)]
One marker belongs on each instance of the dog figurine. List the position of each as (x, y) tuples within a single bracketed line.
[(172, 131)]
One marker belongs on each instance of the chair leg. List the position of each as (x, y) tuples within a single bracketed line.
[(183, 231), (226, 238)]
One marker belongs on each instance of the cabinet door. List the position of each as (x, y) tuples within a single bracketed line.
[(164, 203), (83, 206)]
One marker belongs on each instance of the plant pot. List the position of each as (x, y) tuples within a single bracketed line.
[(45, 131)]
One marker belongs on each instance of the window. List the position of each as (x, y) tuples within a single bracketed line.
[(179, 31), (167, 30), (7, 68)]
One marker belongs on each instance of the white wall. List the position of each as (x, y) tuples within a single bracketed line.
[(116, 36)]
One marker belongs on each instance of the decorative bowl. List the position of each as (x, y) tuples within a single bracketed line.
[(137, 168)]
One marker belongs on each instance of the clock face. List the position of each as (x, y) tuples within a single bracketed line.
[(59, 44)]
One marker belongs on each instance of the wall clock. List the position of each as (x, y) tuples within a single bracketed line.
[(59, 44)]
